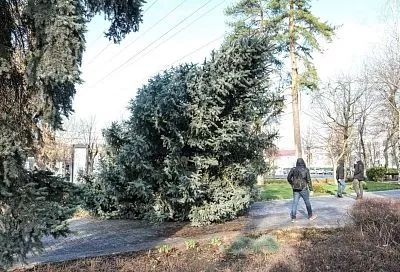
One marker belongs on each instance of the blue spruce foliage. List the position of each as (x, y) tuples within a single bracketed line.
[(196, 138)]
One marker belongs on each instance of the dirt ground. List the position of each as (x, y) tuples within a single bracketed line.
[(370, 243), (299, 250)]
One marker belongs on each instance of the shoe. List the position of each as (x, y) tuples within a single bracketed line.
[(293, 220), (340, 196), (313, 217)]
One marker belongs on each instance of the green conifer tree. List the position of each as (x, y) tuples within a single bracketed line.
[(192, 148), (41, 46), (294, 30)]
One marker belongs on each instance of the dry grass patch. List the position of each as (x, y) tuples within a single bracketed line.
[(379, 219), (266, 252), (371, 244), (299, 250)]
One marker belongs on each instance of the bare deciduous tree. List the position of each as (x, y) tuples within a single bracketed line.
[(368, 106), (309, 144), (330, 139), (84, 132), (51, 150), (384, 70), (337, 109), (90, 138)]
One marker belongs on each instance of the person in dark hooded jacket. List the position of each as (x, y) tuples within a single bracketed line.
[(358, 178), (300, 180), (340, 179)]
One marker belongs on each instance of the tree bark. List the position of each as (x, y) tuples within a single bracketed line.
[(295, 83), (346, 136), (386, 153), (395, 122), (362, 143), (394, 155), (335, 165), (261, 26)]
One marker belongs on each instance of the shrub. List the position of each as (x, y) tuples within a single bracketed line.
[(96, 198), (391, 171), (319, 188), (240, 245), (265, 244), (190, 244), (376, 173), (246, 245), (216, 241), (378, 219), (165, 248)]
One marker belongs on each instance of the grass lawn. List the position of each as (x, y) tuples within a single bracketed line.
[(381, 186), (273, 191), (282, 190)]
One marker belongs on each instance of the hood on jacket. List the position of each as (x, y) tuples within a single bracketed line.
[(300, 163)]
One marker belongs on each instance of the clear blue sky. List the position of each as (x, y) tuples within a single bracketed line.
[(107, 90)]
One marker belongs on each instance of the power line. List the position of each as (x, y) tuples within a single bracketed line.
[(185, 27), (196, 50), (187, 55), (149, 7), (109, 44), (95, 40), (98, 54), (175, 26), (192, 52), (142, 34)]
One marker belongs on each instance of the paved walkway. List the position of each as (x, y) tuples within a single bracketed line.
[(100, 237)]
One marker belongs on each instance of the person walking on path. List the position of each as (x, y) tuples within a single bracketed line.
[(358, 179), (340, 179), (300, 180)]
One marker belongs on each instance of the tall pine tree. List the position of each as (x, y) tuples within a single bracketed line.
[(295, 31), (41, 46)]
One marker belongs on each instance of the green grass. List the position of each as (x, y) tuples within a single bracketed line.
[(273, 191), (282, 190), (381, 186)]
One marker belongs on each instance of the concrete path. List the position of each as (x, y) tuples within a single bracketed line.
[(99, 237), (331, 211)]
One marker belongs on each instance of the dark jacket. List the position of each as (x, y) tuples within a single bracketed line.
[(340, 171), (305, 173), (359, 171)]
